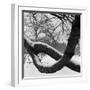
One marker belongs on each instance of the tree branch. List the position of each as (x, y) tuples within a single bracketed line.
[(40, 66), (62, 60)]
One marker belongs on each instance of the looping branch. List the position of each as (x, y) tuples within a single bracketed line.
[(62, 60)]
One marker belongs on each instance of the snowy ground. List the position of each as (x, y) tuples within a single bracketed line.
[(31, 71)]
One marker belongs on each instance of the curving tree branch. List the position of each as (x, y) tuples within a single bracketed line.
[(62, 61)]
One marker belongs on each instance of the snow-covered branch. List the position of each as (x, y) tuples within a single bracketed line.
[(39, 47), (34, 48), (49, 68)]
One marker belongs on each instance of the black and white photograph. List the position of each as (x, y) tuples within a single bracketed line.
[(51, 44)]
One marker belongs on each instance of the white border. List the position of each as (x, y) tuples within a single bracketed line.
[(17, 45)]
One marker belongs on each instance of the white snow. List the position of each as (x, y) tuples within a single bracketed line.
[(31, 71), (28, 58), (76, 59), (47, 60)]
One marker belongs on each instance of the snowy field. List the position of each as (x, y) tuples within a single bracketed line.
[(31, 71)]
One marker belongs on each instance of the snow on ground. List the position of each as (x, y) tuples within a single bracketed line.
[(31, 71), (46, 59)]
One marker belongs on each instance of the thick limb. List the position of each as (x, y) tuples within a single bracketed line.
[(62, 60)]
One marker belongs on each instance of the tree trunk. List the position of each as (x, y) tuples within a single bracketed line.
[(61, 60)]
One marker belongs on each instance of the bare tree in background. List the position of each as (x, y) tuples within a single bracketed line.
[(44, 32)]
